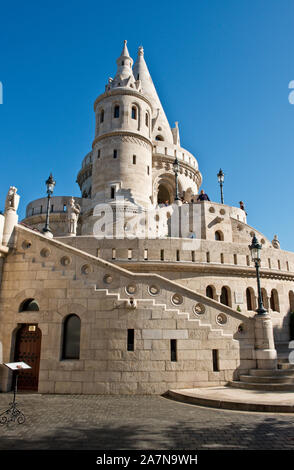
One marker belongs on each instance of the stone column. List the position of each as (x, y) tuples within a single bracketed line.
[(265, 351), (2, 220), (11, 217)]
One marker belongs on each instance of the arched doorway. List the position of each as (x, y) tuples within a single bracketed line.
[(27, 349), (163, 195)]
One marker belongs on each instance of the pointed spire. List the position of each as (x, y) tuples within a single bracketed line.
[(161, 125), (124, 72), (125, 52)]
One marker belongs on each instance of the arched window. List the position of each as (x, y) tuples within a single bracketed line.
[(218, 236), (209, 292), (29, 305), (116, 111), (159, 137), (101, 115), (264, 298), (225, 296), (291, 301), (274, 300), (71, 337), (134, 112), (146, 119), (250, 299)]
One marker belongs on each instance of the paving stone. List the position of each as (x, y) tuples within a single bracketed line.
[(102, 422)]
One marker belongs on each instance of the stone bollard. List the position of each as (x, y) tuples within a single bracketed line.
[(265, 351)]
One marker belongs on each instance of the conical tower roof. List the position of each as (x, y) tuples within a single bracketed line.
[(161, 127)]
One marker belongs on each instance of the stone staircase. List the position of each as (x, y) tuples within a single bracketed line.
[(213, 333), (60, 273), (266, 380)]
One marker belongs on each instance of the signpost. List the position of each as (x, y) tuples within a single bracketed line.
[(13, 414)]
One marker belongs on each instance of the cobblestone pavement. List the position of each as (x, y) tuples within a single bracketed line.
[(138, 422)]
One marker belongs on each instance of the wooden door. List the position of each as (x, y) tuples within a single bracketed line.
[(27, 349)]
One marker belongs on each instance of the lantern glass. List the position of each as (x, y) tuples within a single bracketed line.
[(50, 183), (176, 166), (255, 254), (220, 176), (255, 248)]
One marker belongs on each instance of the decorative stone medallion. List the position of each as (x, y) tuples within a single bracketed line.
[(199, 309), (177, 299), (45, 252), (65, 260), (86, 269), (107, 279), (26, 244), (221, 319), (131, 289), (153, 290)]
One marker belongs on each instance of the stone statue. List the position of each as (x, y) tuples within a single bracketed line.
[(275, 242), (12, 199), (73, 212)]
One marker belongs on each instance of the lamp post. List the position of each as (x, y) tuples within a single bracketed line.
[(50, 183), (255, 248), (221, 178), (176, 167)]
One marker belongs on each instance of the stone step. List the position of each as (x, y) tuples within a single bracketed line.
[(235, 399), (270, 373), (263, 387), (271, 379)]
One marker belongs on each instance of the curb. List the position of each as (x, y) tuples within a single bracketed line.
[(227, 404)]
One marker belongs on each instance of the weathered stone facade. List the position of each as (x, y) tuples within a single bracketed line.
[(161, 311)]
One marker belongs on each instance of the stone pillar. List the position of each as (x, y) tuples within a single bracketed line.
[(2, 220), (265, 352), (11, 217)]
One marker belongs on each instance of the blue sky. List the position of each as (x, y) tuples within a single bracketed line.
[(221, 68)]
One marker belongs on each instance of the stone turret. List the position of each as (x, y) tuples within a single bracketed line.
[(122, 148)]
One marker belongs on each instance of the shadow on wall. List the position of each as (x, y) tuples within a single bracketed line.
[(246, 338), (282, 329)]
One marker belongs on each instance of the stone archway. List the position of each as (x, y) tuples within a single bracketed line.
[(164, 189), (163, 194)]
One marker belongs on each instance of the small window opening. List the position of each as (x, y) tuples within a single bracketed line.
[(173, 350), (131, 340), (116, 112), (134, 112), (215, 360)]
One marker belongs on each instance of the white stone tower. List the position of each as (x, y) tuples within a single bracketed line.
[(122, 148)]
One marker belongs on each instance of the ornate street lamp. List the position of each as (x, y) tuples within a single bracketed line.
[(50, 183), (176, 168), (221, 178), (255, 248)]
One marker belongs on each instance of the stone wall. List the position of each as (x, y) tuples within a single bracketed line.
[(66, 281)]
